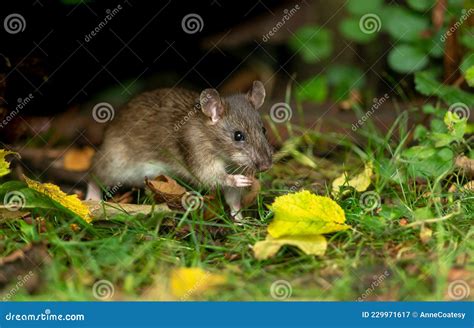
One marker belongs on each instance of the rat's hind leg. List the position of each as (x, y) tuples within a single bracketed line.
[(93, 191), (233, 198)]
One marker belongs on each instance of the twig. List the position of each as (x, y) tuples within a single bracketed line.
[(443, 218), (100, 209)]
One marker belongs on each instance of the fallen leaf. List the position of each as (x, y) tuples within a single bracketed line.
[(311, 245), (23, 263), (354, 98), (4, 165), (469, 186), (78, 160), (403, 222), (125, 198), (189, 282), (6, 214), (452, 188), (360, 182), (75, 227), (425, 234), (465, 165), (166, 190), (457, 273), (71, 202), (460, 284), (299, 220), (304, 213), (99, 209)]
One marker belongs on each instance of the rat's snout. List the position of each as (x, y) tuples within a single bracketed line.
[(265, 161), (264, 165)]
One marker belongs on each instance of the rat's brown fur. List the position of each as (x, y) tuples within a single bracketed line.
[(166, 132)]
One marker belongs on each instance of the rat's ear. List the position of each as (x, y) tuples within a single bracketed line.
[(256, 95), (211, 104)]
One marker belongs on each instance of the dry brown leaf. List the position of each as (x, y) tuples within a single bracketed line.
[(469, 186), (403, 222), (166, 190), (465, 164), (452, 188), (354, 98), (211, 205), (7, 214), (78, 160), (460, 284), (425, 234), (24, 263), (75, 227), (125, 198)]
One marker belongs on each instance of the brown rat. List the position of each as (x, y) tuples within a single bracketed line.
[(205, 139)]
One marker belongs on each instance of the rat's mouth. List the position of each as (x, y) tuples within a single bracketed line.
[(240, 168)]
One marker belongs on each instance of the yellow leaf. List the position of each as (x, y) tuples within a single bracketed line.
[(310, 244), (304, 213), (360, 182), (78, 160), (71, 202), (425, 234), (4, 165), (189, 282)]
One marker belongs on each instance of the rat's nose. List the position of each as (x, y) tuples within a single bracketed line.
[(264, 165)]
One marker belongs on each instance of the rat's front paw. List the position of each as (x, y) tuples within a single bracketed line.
[(239, 181)]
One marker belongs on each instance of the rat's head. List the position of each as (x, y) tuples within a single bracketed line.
[(237, 127)]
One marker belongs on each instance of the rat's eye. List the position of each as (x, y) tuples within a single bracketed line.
[(239, 136), (264, 130)]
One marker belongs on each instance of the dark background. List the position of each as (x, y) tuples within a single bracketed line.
[(52, 59)]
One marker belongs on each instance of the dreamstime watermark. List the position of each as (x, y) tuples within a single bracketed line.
[(455, 26), (295, 187), (461, 110), (192, 23), (377, 102), (14, 23), (103, 112), (281, 112), (46, 316), (20, 105), (111, 191), (21, 282), (111, 13), (287, 14), (103, 290), (191, 113), (370, 200), (458, 290), (196, 287), (370, 23), (375, 283), (281, 290), (186, 118), (14, 201), (192, 200)]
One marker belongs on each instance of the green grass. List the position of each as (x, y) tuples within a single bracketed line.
[(137, 253)]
